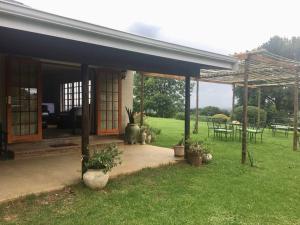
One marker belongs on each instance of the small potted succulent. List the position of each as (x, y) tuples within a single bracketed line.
[(98, 166), (179, 148), (132, 130)]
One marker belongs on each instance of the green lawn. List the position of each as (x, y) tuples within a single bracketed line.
[(223, 192)]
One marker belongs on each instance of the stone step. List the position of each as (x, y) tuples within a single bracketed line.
[(52, 147)]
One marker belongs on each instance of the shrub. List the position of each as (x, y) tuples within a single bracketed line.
[(252, 114), (104, 159), (220, 118), (179, 115)]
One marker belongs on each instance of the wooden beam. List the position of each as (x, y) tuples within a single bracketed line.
[(142, 99), (187, 113), (296, 105), (85, 128), (233, 101), (258, 106), (197, 107), (245, 112)]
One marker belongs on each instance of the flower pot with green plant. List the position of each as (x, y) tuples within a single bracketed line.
[(179, 148), (194, 154), (132, 130), (98, 166)]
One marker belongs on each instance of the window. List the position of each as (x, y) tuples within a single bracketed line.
[(71, 95)]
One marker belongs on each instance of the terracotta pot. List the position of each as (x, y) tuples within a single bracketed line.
[(132, 132), (95, 179), (195, 159), (179, 151)]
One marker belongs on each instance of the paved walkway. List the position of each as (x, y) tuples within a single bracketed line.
[(37, 175)]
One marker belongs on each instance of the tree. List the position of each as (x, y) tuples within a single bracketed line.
[(281, 97), (162, 96)]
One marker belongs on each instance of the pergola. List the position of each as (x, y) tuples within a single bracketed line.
[(255, 69)]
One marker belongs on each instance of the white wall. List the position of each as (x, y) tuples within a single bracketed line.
[(2, 92), (127, 97)]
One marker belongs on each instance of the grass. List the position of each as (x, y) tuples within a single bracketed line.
[(223, 192)]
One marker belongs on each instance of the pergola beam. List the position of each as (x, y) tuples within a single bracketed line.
[(187, 114), (296, 105), (245, 113)]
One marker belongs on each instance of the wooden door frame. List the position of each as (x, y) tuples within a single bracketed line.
[(25, 138), (99, 131)]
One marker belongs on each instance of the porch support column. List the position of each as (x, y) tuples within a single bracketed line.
[(197, 107), (296, 105), (245, 112), (142, 99), (233, 101), (85, 129), (187, 113), (258, 106)]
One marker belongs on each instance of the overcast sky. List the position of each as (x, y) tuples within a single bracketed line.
[(223, 26)]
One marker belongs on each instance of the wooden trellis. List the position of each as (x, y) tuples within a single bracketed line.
[(258, 69), (255, 69)]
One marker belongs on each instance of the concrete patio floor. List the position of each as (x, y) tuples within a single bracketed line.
[(32, 176)]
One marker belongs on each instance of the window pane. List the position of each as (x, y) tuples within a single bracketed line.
[(109, 115), (16, 118), (25, 117), (103, 124), (24, 105), (115, 124), (25, 129), (33, 129), (16, 130), (103, 115), (109, 124)]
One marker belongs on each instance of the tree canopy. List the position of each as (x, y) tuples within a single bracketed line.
[(163, 97), (276, 99)]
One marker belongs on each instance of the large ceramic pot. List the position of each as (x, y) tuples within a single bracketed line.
[(132, 131), (95, 179), (179, 151), (194, 158)]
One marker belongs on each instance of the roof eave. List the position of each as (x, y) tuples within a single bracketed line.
[(32, 20)]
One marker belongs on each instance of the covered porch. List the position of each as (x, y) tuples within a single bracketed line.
[(43, 174)]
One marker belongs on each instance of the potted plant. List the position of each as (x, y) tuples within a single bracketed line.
[(179, 148), (195, 154), (98, 166), (199, 153), (132, 130)]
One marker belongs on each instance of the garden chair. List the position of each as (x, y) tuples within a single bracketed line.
[(253, 131), (210, 126), (223, 129)]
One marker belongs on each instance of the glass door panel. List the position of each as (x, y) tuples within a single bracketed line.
[(108, 98), (24, 108)]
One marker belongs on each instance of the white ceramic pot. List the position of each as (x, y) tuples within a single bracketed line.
[(207, 157), (144, 137), (95, 179), (179, 151)]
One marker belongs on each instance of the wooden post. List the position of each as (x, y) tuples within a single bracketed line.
[(258, 106), (85, 129), (233, 101), (245, 111), (187, 113), (142, 100), (197, 107), (296, 105)]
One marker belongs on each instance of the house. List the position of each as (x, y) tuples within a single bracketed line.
[(59, 74)]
